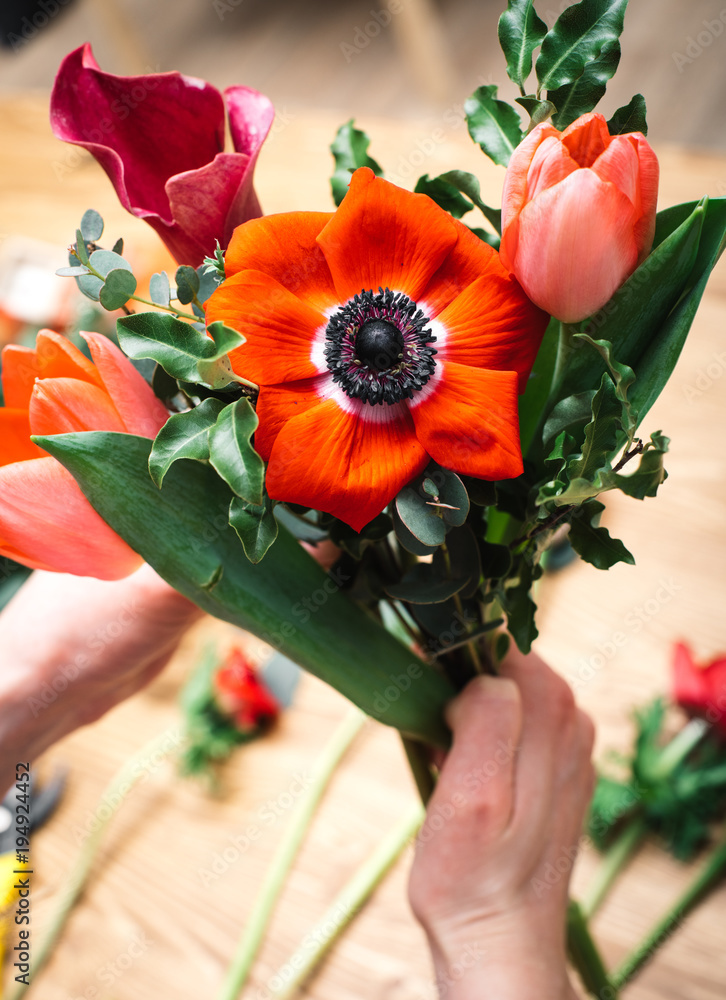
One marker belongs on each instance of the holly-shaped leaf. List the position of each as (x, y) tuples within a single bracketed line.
[(256, 526), (184, 435), (593, 543)]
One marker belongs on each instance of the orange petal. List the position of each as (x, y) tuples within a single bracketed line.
[(19, 372), (15, 443), (493, 325), (141, 412), (278, 327), (284, 247), (550, 164), (469, 259), (46, 523), (279, 403), (59, 358), (514, 192), (383, 236), (343, 461), (59, 405), (587, 138), (468, 421), (648, 177)]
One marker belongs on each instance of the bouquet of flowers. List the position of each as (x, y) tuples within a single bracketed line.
[(440, 401)]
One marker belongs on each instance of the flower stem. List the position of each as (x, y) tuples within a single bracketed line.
[(614, 860), (156, 305), (706, 880), (679, 748), (585, 956), (285, 854), (112, 799), (564, 350), (418, 760), (345, 906)]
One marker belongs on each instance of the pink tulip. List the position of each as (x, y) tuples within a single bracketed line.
[(160, 138), (578, 214), (45, 521)]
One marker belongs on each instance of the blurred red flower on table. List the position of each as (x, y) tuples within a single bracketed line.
[(700, 689), (160, 139), (382, 336), (578, 214), (45, 521), (241, 694)]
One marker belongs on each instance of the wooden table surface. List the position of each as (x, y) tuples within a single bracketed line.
[(163, 908)]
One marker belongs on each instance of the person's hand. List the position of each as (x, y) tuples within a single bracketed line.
[(490, 879), (73, 647)]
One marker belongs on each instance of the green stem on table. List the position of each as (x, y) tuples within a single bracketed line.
[(285, 854), (345, 906), (706, 879), (585, 956), (679, 748), (614, 860), (112, 799), (418, 759)]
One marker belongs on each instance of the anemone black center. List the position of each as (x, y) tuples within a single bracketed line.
[(379, 344), (377, 347)]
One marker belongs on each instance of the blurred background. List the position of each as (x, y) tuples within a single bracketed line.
[(400, 58)]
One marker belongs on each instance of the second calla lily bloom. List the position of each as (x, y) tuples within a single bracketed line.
[(45, 521), (381, 336), (160, 138), (578, 214)]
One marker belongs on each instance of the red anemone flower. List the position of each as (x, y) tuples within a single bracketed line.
[(700, 688), (241, 694), (382, 336)]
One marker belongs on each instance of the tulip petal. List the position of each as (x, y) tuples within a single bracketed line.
[(133, 398), (57, 357), (63, 405), (284, 246), (350, 462), (565, 266), (47, 523), (618, 165), (15, 443), (514, 193), (648, 177), (279, 328), (467, 419), (587, 138), (550, 164), (385, 237), (20, 369), (493, 325)]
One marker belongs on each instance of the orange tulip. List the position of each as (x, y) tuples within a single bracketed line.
[(578, 214), (45, 521)]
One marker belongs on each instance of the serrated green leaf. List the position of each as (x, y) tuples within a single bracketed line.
[(187, 283), (160, 289), (117, 289), (231, 452), (623, 377), (583, 94), (630, 118), (601, 434), (91, 226), (593, 543), (570, 412), (446, 195), (648, 476), (576, 38), (520, 32), (350, 151), (184, 435), (521, 609), (183, 352), (256, 527), (493, 124)]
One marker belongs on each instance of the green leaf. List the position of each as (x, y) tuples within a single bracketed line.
[(72, 272), (629, 118), (649, 475), (256, 526), (416, 513), (601, 434), (187, 283), (520, 32), (594, 544), (445, 195), (232, 454), (623, 377), (539, 111), (103, 261), (570, 412), (494, 125), (159, 289), (469, 185), (81, 250), (184, 435), (183, 352), (118, 247), (183, 531), (407, 539), (533, 401), (422, 585), (577, 37), (91, 226), (350, 151), (459, 559), (583, 94), (449, 497), (521, 609), (117, 289)]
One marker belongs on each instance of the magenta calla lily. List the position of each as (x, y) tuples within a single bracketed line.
[(160, 139)]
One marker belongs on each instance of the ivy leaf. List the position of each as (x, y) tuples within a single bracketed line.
[(350, 151), (184, 435), (231, 452), (582, 95), (256, 526), (117, 289), (593, 543), (578, 37), (493, 124), (629, 118), (182, 351), (520, 32)]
